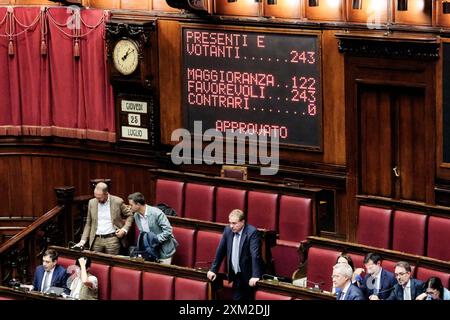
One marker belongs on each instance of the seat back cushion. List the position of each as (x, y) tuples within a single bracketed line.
[(185, 254), (262, 209), (407, 224), (157, 286), (374, 227), (228, 199), (125, 284), (198, 202), (189, 289), (171, 193)]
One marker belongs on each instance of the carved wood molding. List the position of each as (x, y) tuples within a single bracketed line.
[(388, 45), (138, 31)]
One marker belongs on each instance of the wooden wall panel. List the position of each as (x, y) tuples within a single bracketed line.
[(372, 12), (161, 5), (289, 9), (105, 4), (136, 5), (419, 12), (238, 8), (169, 46), (331, 10), (27, 182)]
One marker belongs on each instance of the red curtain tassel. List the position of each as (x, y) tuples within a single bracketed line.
[(76, 49), (11, 48), (43, 48)]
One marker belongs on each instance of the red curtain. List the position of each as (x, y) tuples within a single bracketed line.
[(55, 93)]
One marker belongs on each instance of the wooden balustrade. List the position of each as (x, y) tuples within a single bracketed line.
[(21, 254)]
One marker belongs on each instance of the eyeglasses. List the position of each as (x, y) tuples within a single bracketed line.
[(400, 274)]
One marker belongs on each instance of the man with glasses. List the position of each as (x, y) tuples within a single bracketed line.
[(407, 288), (378, 281)]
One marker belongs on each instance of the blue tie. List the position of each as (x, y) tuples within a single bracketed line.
[(235, 253)]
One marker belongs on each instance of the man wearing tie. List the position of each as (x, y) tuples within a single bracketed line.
[(241, 244), (342, 279), (50, 274)]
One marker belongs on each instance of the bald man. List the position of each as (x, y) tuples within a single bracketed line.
[(105, 221)]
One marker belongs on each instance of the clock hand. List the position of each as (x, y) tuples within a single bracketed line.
[(126, 54)]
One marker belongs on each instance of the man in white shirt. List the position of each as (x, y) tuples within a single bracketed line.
[(105, 222)]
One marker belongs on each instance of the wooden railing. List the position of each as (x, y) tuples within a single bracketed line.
[(20, 255)]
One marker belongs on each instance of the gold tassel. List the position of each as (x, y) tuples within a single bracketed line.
[(43, 48), (11, 48), (76, 49)]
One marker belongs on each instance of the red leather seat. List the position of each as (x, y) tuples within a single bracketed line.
[(125, 284), (438, 238), (228, 199), (101, 271), (6, 298), (407, 224), (374, 227), (294, 226), (199, 201), (425, 273), (390, 266), (157, 286), (188, 289), (294, 218), (286, 258), (66, 262), (262, 210), (205, 251), (185, 254), (358, 260), (171, 193), (264, 295), (320, 267)]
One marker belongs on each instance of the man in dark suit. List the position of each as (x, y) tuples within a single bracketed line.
[(407, 288), (108, 221), (241, 244), (378, 281), (50, 274), (342, 279)]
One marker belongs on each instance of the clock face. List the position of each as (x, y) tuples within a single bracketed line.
[(126, 56)]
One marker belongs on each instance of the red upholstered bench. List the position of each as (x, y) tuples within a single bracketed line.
[(374, 227), (438, 238), (171, 193), (320, 267), (188, 289), (390, 266), (294, 226), (101, 271), (125, 284), (185, 254), (228, 199), (199, 200), (405, 225), (425, 273), (205, 251), (264, 295), (262, 209), (157, 286)]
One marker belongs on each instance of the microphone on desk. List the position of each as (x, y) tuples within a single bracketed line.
[(272, 277), (316, 284), (382, 291)]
